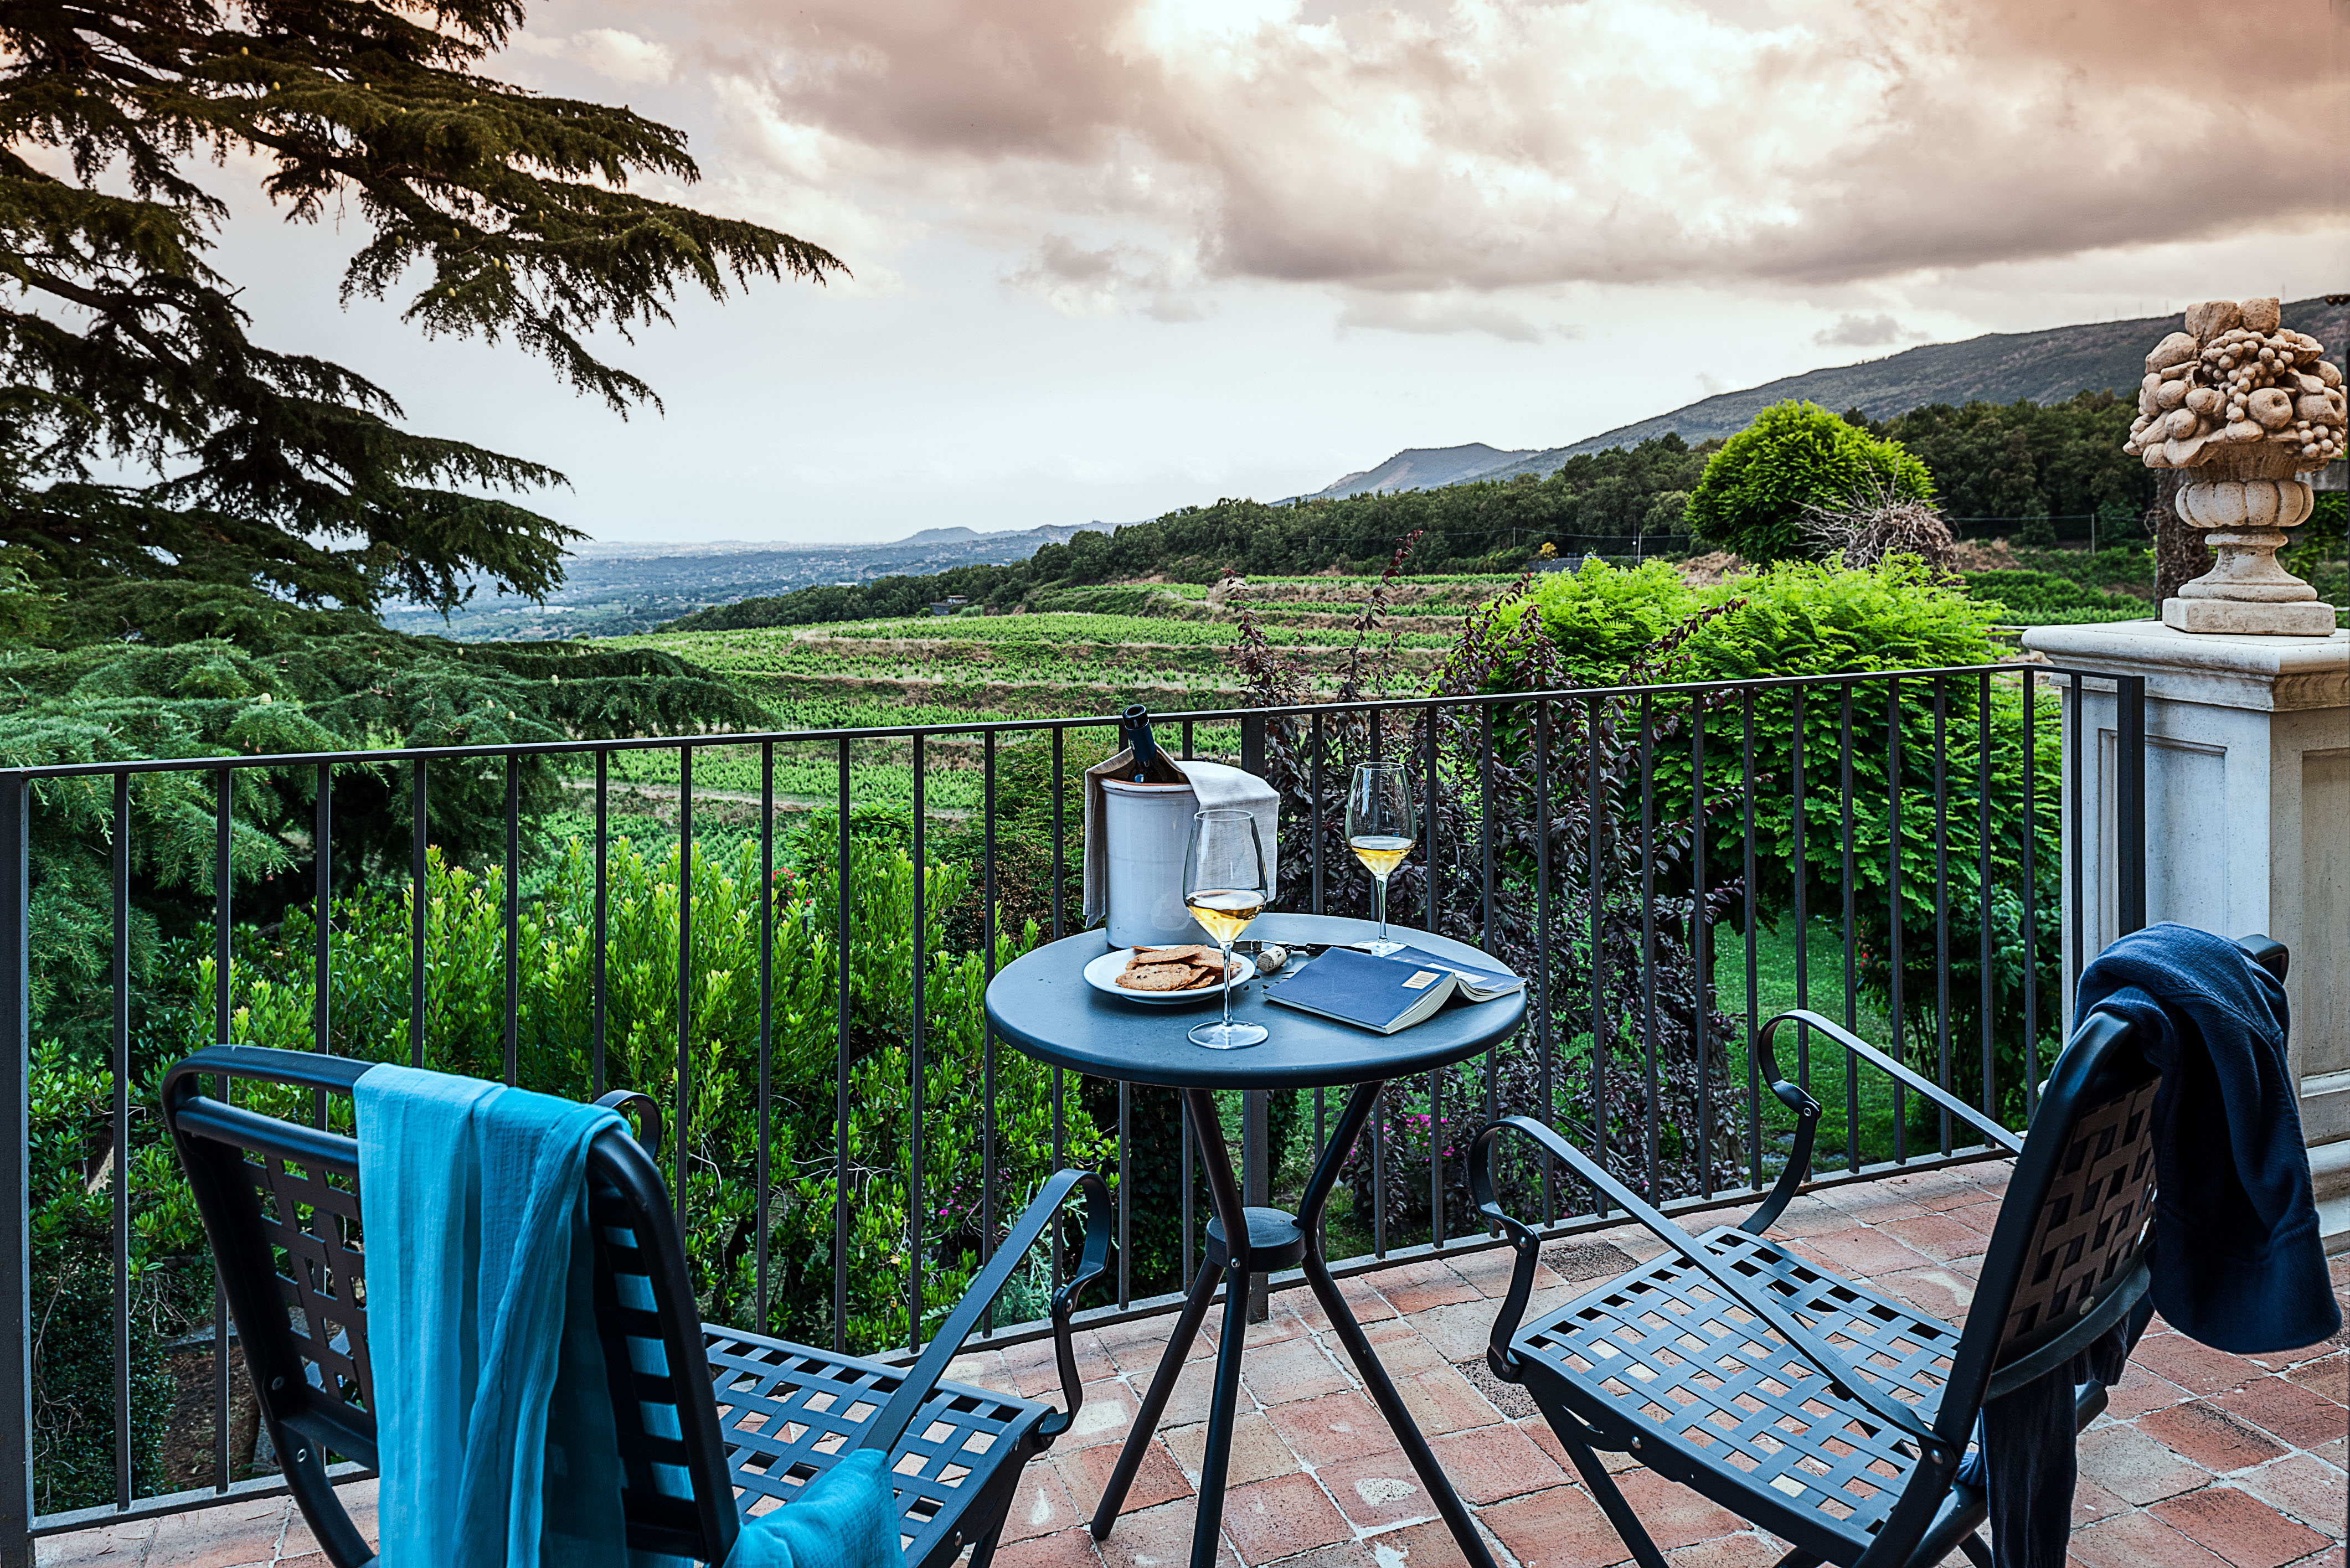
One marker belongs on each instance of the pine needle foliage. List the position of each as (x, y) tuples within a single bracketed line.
[(123, 348)]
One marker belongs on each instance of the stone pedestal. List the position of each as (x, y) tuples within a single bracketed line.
[(2247, 821)]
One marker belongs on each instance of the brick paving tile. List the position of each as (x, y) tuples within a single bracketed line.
[(1491, 1463), (1035, 1371), (2238, 1527), (119, 1546), (1872, 1203), (1195, 1387), (1258, 1453), (1291, 1370), (1344, 1554), (1402, 1348), (1362, 1298), (2138, 1541), (2133, 1466), (1860, 1254), (1809, 1216), (1065, 1549), (1579, 1263), (1086, 1471), (1459, 1331), (1938, 1236), (1415, 1287), (1561, 1528), (2329, 1375), (2300, 1415), (1041, 1506), (1279, 1517), (1159, 1538), (1377, 1490), (2303, 1489), (2208, 1437), (1510, 1399), (224, 1537), (1281, 1323), (1107, 1412), (1937, 1293), (1429, 1545), (1441, 1400), (1745, 1550), (982, 1369), (2091, 1503), (1633, 1240), (1490, 1271), (2197, 1368), (2141, 1390), (1333, 1428), (1672, 1514)]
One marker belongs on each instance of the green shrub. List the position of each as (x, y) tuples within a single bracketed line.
[(2042, 598), (1755, 492)]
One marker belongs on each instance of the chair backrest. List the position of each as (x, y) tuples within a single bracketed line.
[(281, 1203)]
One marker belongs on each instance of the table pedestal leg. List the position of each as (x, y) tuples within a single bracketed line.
[(1222, 1413), (1154, 1400)]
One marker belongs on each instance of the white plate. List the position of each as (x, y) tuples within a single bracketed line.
[(1103, 972)]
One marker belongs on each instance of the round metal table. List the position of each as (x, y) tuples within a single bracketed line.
[(1042, 1004)]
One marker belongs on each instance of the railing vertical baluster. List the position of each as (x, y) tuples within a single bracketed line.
[(419, 870), (840, 1076), (1803, 901), (1942, 896), (603, 914), (1851, 941), (1699, 948), (322, 844), (915, 1196), (1595, 816), (1485, 905), (986, 1026), (1187, 740), (513, 920), (2129, 803), (1125, 1195), (1313, 827), (15, 1183), (2084, 835), (2031, 923), (119, 1123), (1431, 903), (1380, 1175), (681, 1122), (767, 1023), (1649, 937), (223, 830), (1753, 949), (1435, 913), (1984, 972), (1183, 1163), (1894, 789), (1546, 1060), (1060, 860)]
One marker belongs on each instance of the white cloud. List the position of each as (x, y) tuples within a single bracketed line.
[(624, 57)]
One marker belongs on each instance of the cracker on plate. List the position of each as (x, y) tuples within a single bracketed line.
[(1191, 953), (1159, 977)]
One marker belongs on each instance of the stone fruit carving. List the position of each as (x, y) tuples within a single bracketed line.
[(2237, 378), (2247, 405)]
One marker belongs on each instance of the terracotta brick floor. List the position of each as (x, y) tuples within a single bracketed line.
[(2204, 1459)]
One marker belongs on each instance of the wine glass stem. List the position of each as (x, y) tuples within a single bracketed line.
[(1228, 987), (1383, 910)]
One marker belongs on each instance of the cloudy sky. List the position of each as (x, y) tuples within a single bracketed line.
[(1112, 256)]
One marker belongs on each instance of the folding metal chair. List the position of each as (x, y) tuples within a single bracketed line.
[(714, 1423), (1830, 1415)]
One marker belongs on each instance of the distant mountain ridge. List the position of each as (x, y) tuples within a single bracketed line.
[(1424, 468), (2046, 367)]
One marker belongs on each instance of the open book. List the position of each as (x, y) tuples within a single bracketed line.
[(1381, 994), (1477, 984)]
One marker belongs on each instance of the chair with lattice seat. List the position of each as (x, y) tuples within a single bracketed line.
[(715, 1424), (1831, 1415)]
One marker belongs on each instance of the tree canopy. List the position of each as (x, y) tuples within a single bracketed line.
[(1759, 491), (494, 211)]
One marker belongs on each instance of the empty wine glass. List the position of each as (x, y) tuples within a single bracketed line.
[(1226, 887), (1380, 832)]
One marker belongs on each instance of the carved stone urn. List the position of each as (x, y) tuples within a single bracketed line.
[(2249, 405)]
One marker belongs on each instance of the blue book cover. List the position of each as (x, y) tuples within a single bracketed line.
[(1380, 995), (1479, 982)]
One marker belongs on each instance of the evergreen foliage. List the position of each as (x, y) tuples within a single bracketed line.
[(1997, 461), (1759, 491), (124, 346)]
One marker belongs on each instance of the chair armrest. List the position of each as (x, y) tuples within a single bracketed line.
[(1092, 1261), (1807, 1111), (1847, 1380)]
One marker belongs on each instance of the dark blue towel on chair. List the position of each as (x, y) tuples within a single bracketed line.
[(2239, 1262)]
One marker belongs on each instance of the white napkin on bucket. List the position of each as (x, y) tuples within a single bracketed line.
[(1215, 785)]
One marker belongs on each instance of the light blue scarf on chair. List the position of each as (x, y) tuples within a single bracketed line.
[(493, 1420)]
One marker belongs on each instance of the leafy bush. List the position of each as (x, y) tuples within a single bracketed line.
[(1757, 491), (2042, 598)]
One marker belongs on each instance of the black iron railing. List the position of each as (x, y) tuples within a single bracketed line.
[(1668, 865)]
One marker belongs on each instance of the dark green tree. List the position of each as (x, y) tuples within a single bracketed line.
[(497, 211), (1759, 490)]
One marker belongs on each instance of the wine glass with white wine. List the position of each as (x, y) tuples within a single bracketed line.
[(1226, 887), (1380, 832)]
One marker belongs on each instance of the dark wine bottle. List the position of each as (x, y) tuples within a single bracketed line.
[(1148, 764)]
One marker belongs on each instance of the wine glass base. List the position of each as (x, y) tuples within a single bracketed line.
[(1382, 949), (1222, 1037)]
